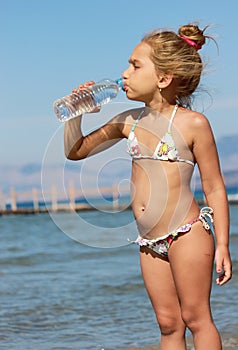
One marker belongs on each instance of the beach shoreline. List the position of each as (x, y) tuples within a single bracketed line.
[(229, 342)]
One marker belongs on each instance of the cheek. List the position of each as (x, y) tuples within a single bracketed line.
[(148, 85), (149, 78)]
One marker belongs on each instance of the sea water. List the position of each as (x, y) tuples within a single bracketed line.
[(59, 294)]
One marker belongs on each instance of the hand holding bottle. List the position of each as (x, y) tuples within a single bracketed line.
[(87, 98), (83, 86)]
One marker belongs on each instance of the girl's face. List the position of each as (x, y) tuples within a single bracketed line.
[(140, 78)]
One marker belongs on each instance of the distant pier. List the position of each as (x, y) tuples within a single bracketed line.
[(105, 198), (34, 201)]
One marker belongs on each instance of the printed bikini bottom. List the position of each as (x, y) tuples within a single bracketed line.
[(162, 244)]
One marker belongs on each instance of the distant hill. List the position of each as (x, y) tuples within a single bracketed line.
[(228, 153), (228, 146)]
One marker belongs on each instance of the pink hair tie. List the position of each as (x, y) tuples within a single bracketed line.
[(191, 43)]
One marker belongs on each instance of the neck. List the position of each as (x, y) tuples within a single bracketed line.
[(162, 107), (162, 101)]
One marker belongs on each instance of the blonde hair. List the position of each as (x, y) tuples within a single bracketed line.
[(172, 54)]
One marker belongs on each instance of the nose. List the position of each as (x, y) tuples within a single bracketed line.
[(125, 74)]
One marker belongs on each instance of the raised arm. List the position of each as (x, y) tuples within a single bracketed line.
[(77, 146), (206, 156)]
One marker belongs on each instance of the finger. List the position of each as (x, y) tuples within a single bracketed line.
[(80, 86), (218, 266), (96, 110), (224, 277), (221, 280), (89, 83), (83, 86)]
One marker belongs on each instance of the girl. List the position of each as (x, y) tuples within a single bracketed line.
[(165, 140)]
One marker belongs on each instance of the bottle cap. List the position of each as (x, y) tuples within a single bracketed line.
[(120, 83)]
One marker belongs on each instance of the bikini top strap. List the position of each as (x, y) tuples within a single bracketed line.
[(172, 118), (170, 122), (136, 121)]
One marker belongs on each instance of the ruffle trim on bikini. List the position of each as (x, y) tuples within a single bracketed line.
[(205, 217)]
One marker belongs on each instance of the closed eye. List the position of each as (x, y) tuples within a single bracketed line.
[(134, 63)]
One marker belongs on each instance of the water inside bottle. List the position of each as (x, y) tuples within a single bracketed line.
[(104, 93), (87, 100), (74, 105)]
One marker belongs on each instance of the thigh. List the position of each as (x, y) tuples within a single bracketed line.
[(159, 284), (191, 259)]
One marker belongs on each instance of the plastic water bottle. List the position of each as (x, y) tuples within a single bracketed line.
[(87, 100)]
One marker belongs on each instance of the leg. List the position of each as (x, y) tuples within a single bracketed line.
[(191, 260), (161, 290)]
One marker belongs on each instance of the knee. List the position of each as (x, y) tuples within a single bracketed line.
[(194, 320), (170, 324)]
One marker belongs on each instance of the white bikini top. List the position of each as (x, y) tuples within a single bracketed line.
[(165, 150)]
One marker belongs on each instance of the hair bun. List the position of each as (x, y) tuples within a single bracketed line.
[(193, 33)]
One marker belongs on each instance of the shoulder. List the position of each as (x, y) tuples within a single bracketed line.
[(128, 116), (126, 119), (195, 128), (196, 122), (121, 123), (194, 118)]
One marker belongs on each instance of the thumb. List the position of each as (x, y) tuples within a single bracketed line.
[(218, 265), (219, 269)]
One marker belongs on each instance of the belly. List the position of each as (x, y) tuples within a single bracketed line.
[(161, 196)]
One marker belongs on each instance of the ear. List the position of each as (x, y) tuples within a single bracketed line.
[(164, 80)]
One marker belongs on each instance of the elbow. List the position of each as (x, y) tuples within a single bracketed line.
[(70, 157), (217, 188), (73, 155), (68, 154), (73, 152)]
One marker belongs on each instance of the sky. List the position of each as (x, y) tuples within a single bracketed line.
[(48, 47)]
